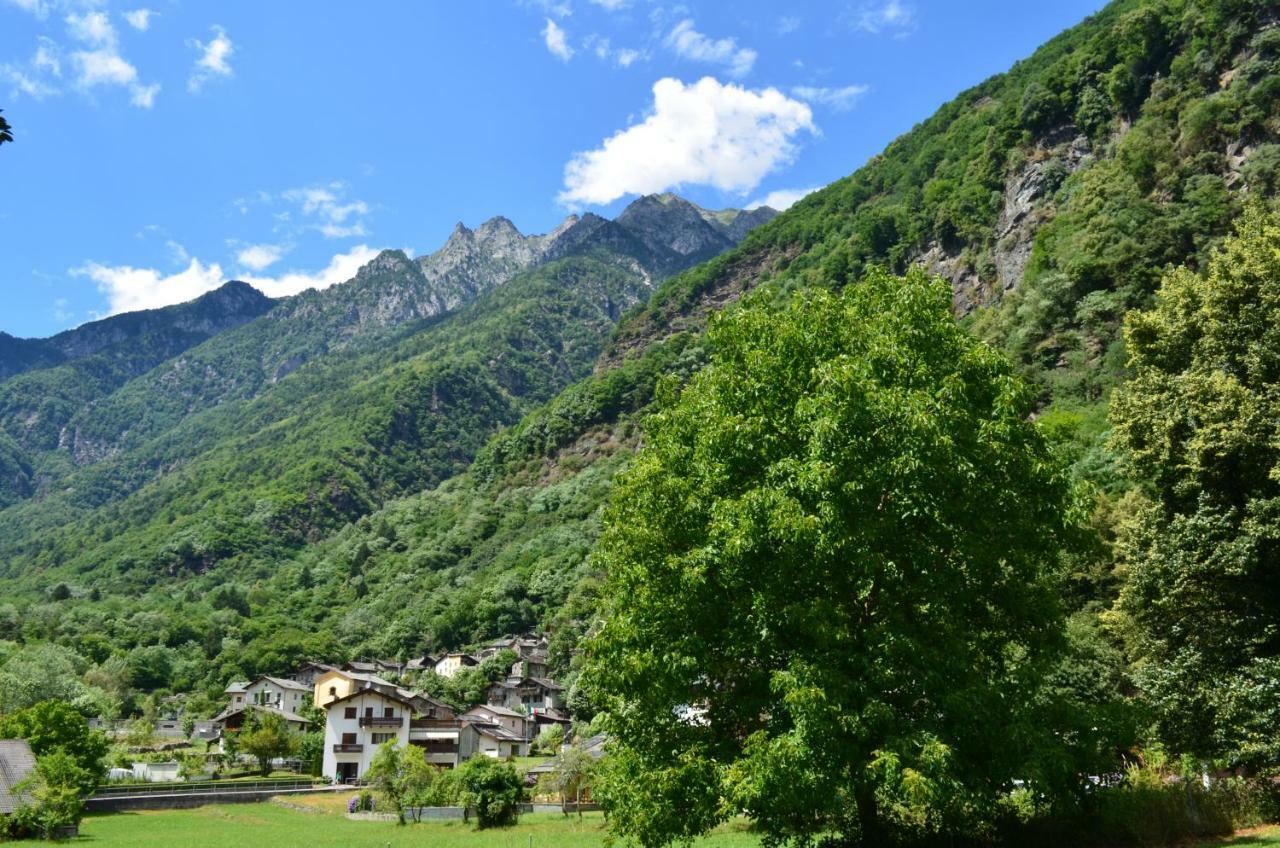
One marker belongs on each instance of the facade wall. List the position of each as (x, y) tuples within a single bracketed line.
[(341, 729), (332, 685), (266, 693)]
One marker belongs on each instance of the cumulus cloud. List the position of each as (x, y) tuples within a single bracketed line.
[(556, 40), (707, 133), (687, 43), (212, 61), (330, 213), (884, 16), (128, 289), (783, 198), (139, 19), (100, 64), (39, 8), (841, 99), (258, 257)]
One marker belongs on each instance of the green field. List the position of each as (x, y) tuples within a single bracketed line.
[(279, 827)]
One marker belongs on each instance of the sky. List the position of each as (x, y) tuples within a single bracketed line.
[(163, 147)]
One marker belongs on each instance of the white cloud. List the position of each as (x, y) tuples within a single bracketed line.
[(91, 28), (40, 76), (556, 41), (333, 216), (892, 16), (144, 96), (341, 268), (213, 58), (257, 257), (787, 24), (128, 289), (841, 99), (39, 8), (102, 65), (612, 5), (782, 199), (707, 133), (139, 19), (626, 57), (688, 43)]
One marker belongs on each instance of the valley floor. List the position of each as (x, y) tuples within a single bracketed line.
[(325, 825), (281, 827)]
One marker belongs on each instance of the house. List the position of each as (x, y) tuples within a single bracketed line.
[(356, 724), (421, 663), (16, 764), (278, 693), (529, 643), (235, 693), (498, 742), (450, 664), (233, 718), (513, 721), (336, 683), (534, 694), (307, 673), (533, 665)]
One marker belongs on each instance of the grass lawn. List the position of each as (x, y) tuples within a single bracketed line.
[(279, 827), (1262, 837)]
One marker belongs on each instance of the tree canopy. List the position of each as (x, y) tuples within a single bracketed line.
[(830, 575), (1200, 420)]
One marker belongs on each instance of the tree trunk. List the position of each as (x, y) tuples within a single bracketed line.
[(871, 832)]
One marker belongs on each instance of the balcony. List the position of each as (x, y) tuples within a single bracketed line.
[(348, 749), (435, 724), (381, 721)]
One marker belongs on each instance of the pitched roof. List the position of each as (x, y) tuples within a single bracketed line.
[(16, 764), (236, 686), (230, 711), (496, 710), (285, 683), (496, 731)]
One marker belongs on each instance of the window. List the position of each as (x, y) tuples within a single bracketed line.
[(350, 712), (348, 739), (368, 712), (389, 712), (333, 690), (379, 738)]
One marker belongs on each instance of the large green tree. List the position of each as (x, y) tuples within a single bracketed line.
[(54, 726), (269, 738), (830, 576), (1200, 422)]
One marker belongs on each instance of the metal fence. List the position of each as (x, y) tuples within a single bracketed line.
[(114, 790)]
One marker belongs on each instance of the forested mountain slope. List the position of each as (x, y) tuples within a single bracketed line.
[(221, 456), (1052, 196)]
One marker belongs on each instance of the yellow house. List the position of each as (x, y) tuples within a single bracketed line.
[(335, 684)]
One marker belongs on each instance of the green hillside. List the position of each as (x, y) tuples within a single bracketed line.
[(369, 503)]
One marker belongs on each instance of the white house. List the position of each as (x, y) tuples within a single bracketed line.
[(278, 693), (235, 693), (357, 724), (497, 742), (450, 664), (516, 723)]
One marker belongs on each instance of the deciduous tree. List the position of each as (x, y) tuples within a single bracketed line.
[(829, 577)]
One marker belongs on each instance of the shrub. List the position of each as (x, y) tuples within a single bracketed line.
[(493, 789)]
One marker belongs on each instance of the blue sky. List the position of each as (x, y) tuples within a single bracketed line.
[(165, 146)]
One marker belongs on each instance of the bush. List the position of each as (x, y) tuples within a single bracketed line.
[(493, 789)]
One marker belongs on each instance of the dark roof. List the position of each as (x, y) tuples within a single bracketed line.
[(231, 711), (16, 764), (496, 731), (496, 710), (391, 693)]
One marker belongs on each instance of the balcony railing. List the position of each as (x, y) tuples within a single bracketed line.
[(435, 724), (347, 749), (381, 721)]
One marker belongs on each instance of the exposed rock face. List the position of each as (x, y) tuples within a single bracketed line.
[(1028, 206)]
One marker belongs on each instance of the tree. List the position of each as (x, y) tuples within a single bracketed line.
[(572, 776), (492, 789), (56, 790), (829, 577), (404, 777), (188, 726), (549, 739), (268, 739), (54, 726), (1200, 422), (6, 131), (40, 672)]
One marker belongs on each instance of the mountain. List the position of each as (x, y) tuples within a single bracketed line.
[(444, 484), (277, 431), (232, 304)]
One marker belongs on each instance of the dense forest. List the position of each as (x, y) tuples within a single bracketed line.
[(443, 480)]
